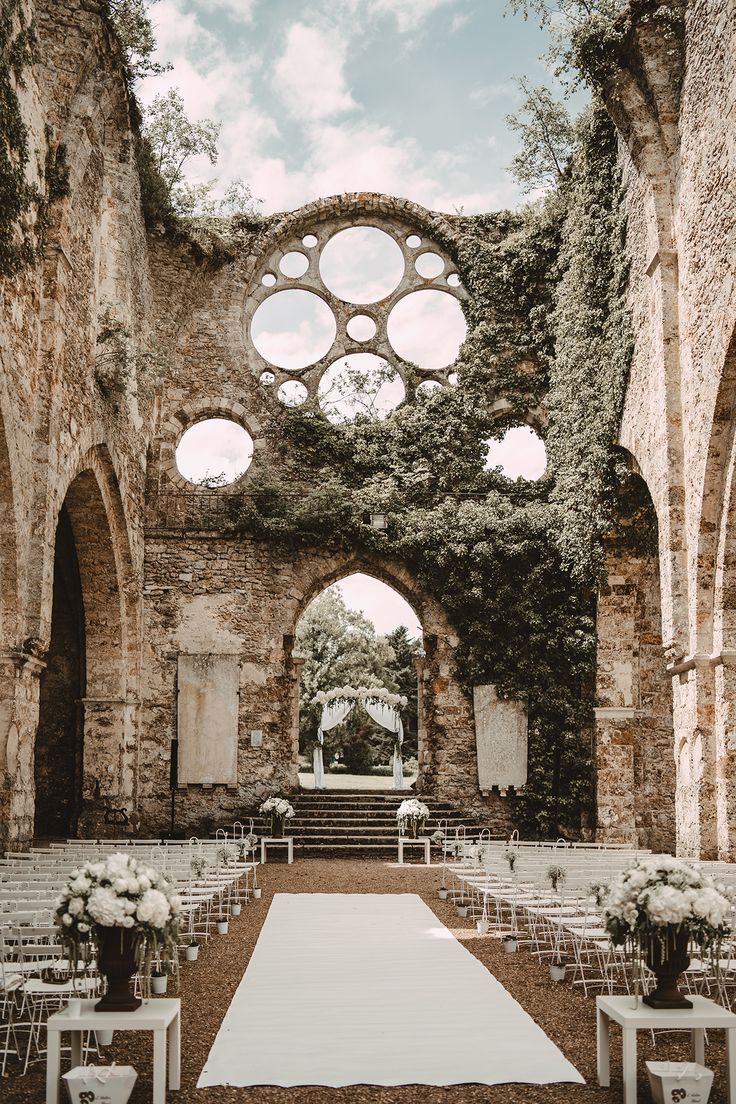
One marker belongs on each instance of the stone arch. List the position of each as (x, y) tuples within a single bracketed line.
[(397, 579), (635, 757), (93, 608)]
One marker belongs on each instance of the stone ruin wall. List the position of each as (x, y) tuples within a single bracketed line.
[(675, 106), (65, 440)]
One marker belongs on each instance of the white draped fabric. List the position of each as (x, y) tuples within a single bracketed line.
[(387, 716), (332, 714)]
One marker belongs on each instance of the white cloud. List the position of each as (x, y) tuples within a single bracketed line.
[(240, 10), (309, 75), (380, 603), (520, 453), (409, 14), (215, 446)]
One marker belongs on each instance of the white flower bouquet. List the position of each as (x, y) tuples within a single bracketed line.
[(660, 893), (277, 807), (120, 892), (412, 813)]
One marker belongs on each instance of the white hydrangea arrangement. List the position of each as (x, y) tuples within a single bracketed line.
[(277, 807), (362, 693), (412, 812), (120, 892), (655, 894)]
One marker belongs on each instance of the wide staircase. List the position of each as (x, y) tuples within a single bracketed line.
[(353, 823)]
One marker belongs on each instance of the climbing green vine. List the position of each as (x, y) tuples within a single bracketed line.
[(18, 196)]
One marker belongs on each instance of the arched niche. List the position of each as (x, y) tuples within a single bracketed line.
[(86, 734), (634, 750)]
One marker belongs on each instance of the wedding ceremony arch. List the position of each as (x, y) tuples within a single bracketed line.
[(380, 705)]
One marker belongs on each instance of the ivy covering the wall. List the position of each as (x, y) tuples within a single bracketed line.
[(515, 564)]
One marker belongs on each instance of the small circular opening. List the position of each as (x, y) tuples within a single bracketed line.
[(214, 452)]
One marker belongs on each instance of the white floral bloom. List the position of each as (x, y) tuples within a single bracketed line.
[(76, 906), (128, 921), (153, 908), (144, 883), (105, 907), (66, 920), (79, 884), (82, 927)]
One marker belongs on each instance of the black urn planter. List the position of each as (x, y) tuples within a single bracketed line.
[(116, 962), (667, 958), (277, 827)]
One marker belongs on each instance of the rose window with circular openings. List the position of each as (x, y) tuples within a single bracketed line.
[(360, 316)]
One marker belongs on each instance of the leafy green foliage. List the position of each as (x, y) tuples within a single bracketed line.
[(547, 136), (134, 29), (19, 198)]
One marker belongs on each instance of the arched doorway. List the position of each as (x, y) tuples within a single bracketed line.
[(81, 758), (357, 632)]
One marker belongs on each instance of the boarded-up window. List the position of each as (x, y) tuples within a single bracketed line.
[(208, 718), (501, 739)]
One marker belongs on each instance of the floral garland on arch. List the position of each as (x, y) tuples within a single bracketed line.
[(362, 693)]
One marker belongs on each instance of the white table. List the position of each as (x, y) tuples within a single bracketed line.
[(423, 841), (704, 1014), (162, 1017), (288, 840)]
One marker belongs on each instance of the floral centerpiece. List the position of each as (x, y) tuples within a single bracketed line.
[(279, 810), (556, 875), (131, 912), (655, 908), (412, 815)]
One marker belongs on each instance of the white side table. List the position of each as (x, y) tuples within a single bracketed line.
[(704, 1014), (422, 841), (271, 840), (162, 1017)]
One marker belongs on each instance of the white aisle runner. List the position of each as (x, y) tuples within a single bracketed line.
[(347, 989)]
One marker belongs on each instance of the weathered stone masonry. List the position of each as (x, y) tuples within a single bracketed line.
[(101, 460)]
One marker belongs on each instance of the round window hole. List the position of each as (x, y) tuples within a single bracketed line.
[(360, 385), (309, 241), (413, 241), (519, 454), (293, 265), (453, 280), (267, 378), (292, 393), (214, 452), (429, 265), (427, 328), (361, 264), (428, 387), (361, 327), (268, 279), (293, 329), (453, 379)]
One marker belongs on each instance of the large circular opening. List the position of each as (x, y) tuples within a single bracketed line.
[(214, 452), (293, 329), (360, 384), (518, 454), (427, 328), (361, 265)]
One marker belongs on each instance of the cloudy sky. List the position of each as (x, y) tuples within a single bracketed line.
[(318, 97)]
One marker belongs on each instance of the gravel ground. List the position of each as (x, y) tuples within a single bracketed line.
[(208, 985)]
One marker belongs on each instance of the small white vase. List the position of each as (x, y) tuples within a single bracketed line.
[(462, 910), (442, 893), (104, 1038), (510, 944), (192, 952), (236, 907), (257, 893), (158, 984), (222, 927), (482, 925), (557, 972)]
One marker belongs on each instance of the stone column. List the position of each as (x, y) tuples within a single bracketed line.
[(110, 754), (295, 671), (615, 748), (725, 747), (695, 756), (424, 757), (19, 695)]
